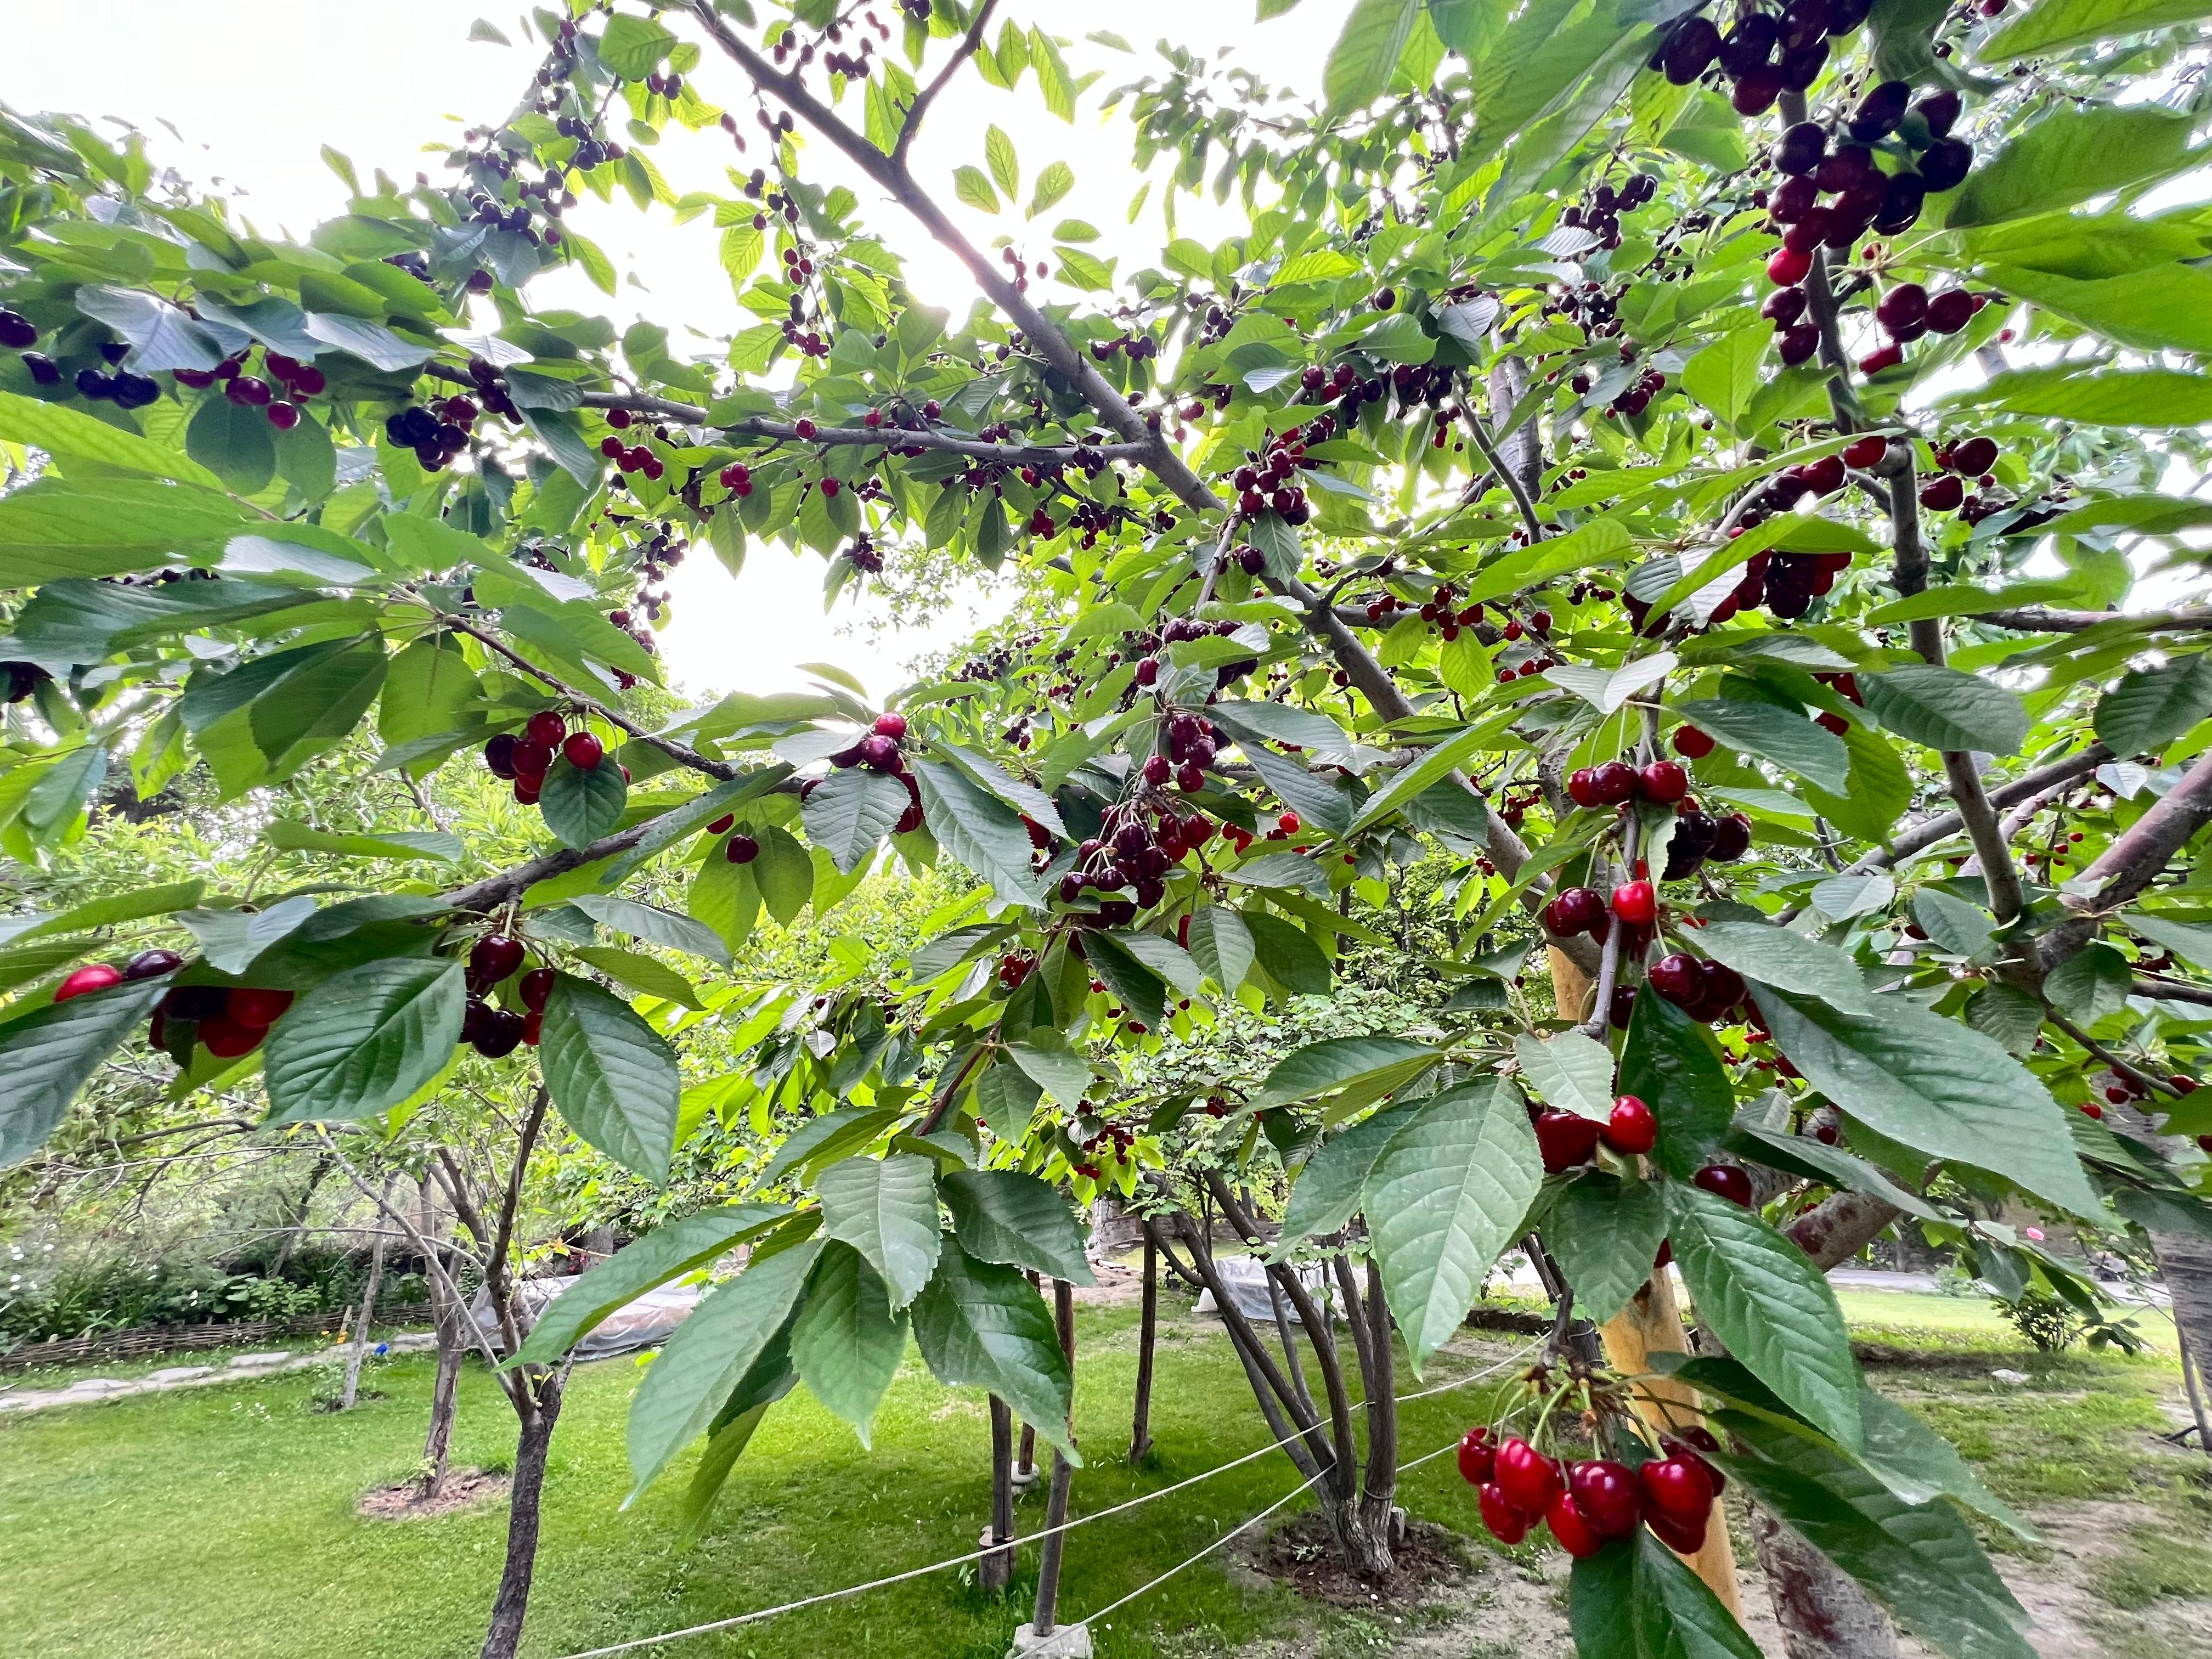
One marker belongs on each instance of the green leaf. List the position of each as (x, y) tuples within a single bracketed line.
[(1918, 1464), (1791, 741), (847, 1341), (669, 1251), (825, 1139), (365, 1039), (983, 1324), (1052, 187), (886, 1209), (1673, 1614), (1569, 1070), (1288, 954), (1934, 1085), (1448, 1194), (1951, 923), (1602, 541), (581, 805), (1769, 1305), (1672, 1064), (611, 1077), (1221, 943), (1780, 956), (708, 1354), (234, 442), (1007, 1097), (632, 48), (2166, 307), (1921, 1561), (1326, 1194), (1322, 1068), (1601, 1602), (646, 976), (971, 187), (1605, 1234), (1005, 166), (1366, 53), (57, 527), (2152, 707), (2157, 398), (2069, 155), (653, 925), (850, 812), (1946, 709), (2191, 942), (978, 829), (65, 434), (784, 873), (1047, 1060), (1143, 993), (1279, 722), (163, 901), (1880, 791), (50, 1053), (766, 1380), (1006, 1216), (2093, 983), (2055, 24), (230, 939), (1725, 375), (297, 837)]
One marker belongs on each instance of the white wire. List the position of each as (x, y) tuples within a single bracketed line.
[(1241, 1527), (966, 1556)]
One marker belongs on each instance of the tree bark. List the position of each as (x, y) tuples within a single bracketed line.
[(1042, 1621), (539, 1408), (1141, 1428), (447, 1317), (995, 1571), (360, 1352), (2185, 1261), (1823, 1613)]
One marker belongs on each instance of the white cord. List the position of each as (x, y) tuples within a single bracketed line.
[(1242, 1527), (966, 1556)]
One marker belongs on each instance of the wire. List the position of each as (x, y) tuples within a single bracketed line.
[(1242, 1527), (968, 1555)]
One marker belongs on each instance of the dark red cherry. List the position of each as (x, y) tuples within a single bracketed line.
[(1726, 1181)]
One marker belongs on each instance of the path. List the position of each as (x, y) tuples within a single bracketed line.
[(238, 1368)]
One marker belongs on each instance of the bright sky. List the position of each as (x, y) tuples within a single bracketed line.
[(255, 89)]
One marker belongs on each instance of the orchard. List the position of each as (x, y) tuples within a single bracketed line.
[(1716, 492)]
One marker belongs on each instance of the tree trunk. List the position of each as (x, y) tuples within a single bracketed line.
[(2185, 1261), (1378, 1501), (1823, 1613), (1043, 1621), (539, 1408), (297, 1228), (1141, 1429), (1364, 1545), (449, 1316), (352, 1390), (995, 1570)]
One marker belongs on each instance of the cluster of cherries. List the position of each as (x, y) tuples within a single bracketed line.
[(1147, 672), (1567, 1138), (629, 458), (491, 1030), (437, 433), (1705, 990), (1967, 458), (122, 389), (1131, 856), (526, 760), (1113, 1143), (228, 1021), (1270, 480), (1601, 216), (1589, 1503), (1763, 53), (1616, 783)]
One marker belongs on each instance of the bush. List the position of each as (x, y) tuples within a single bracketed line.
[(2043, 1319)]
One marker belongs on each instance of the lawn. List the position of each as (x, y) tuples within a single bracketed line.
[(222, 1521)]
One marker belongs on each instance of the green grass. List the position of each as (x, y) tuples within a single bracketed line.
[(221, 1521)]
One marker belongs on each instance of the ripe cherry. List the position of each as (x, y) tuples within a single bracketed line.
[(546, 727), (1663, 781), (584, 751), (890, 725), (258, 1007), (1288, 823), (1576, 910), (1477, 1458), (1631, 1127), (499, 755), (225, 1039), (93, 976), (1973, 456), (1565, 1140), (1726, 1181), (1679, 977), (530, 760), (494, 958), (1606, 1496), (1507, 1525), (1613, 782), (1678, 1489), (1786, 267), (1158, 769), (1582, 785), (742, 849), (1866, 452), (536, 986), (1731, 841), (1529, 1479), (1683, 1541), (152, 965), (1692, 744), (721, 826), (527, 791), (502, 1034), (1636, 902), (1904, 308), (1942, 495), (1575, 1536), (1950, 311)]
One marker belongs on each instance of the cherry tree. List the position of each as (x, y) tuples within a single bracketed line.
[(1699, 483)]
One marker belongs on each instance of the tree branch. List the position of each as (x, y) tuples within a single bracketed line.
[(2035, 619), (1480, 434), (910, 126), (2132, 861)]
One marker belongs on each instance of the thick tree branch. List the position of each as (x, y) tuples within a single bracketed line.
[(1480, 434), (2036, 620), (2134, 860)]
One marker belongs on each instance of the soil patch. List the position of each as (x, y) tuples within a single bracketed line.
[(463, 1489), (1117, 1286), (1300, 1554)]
